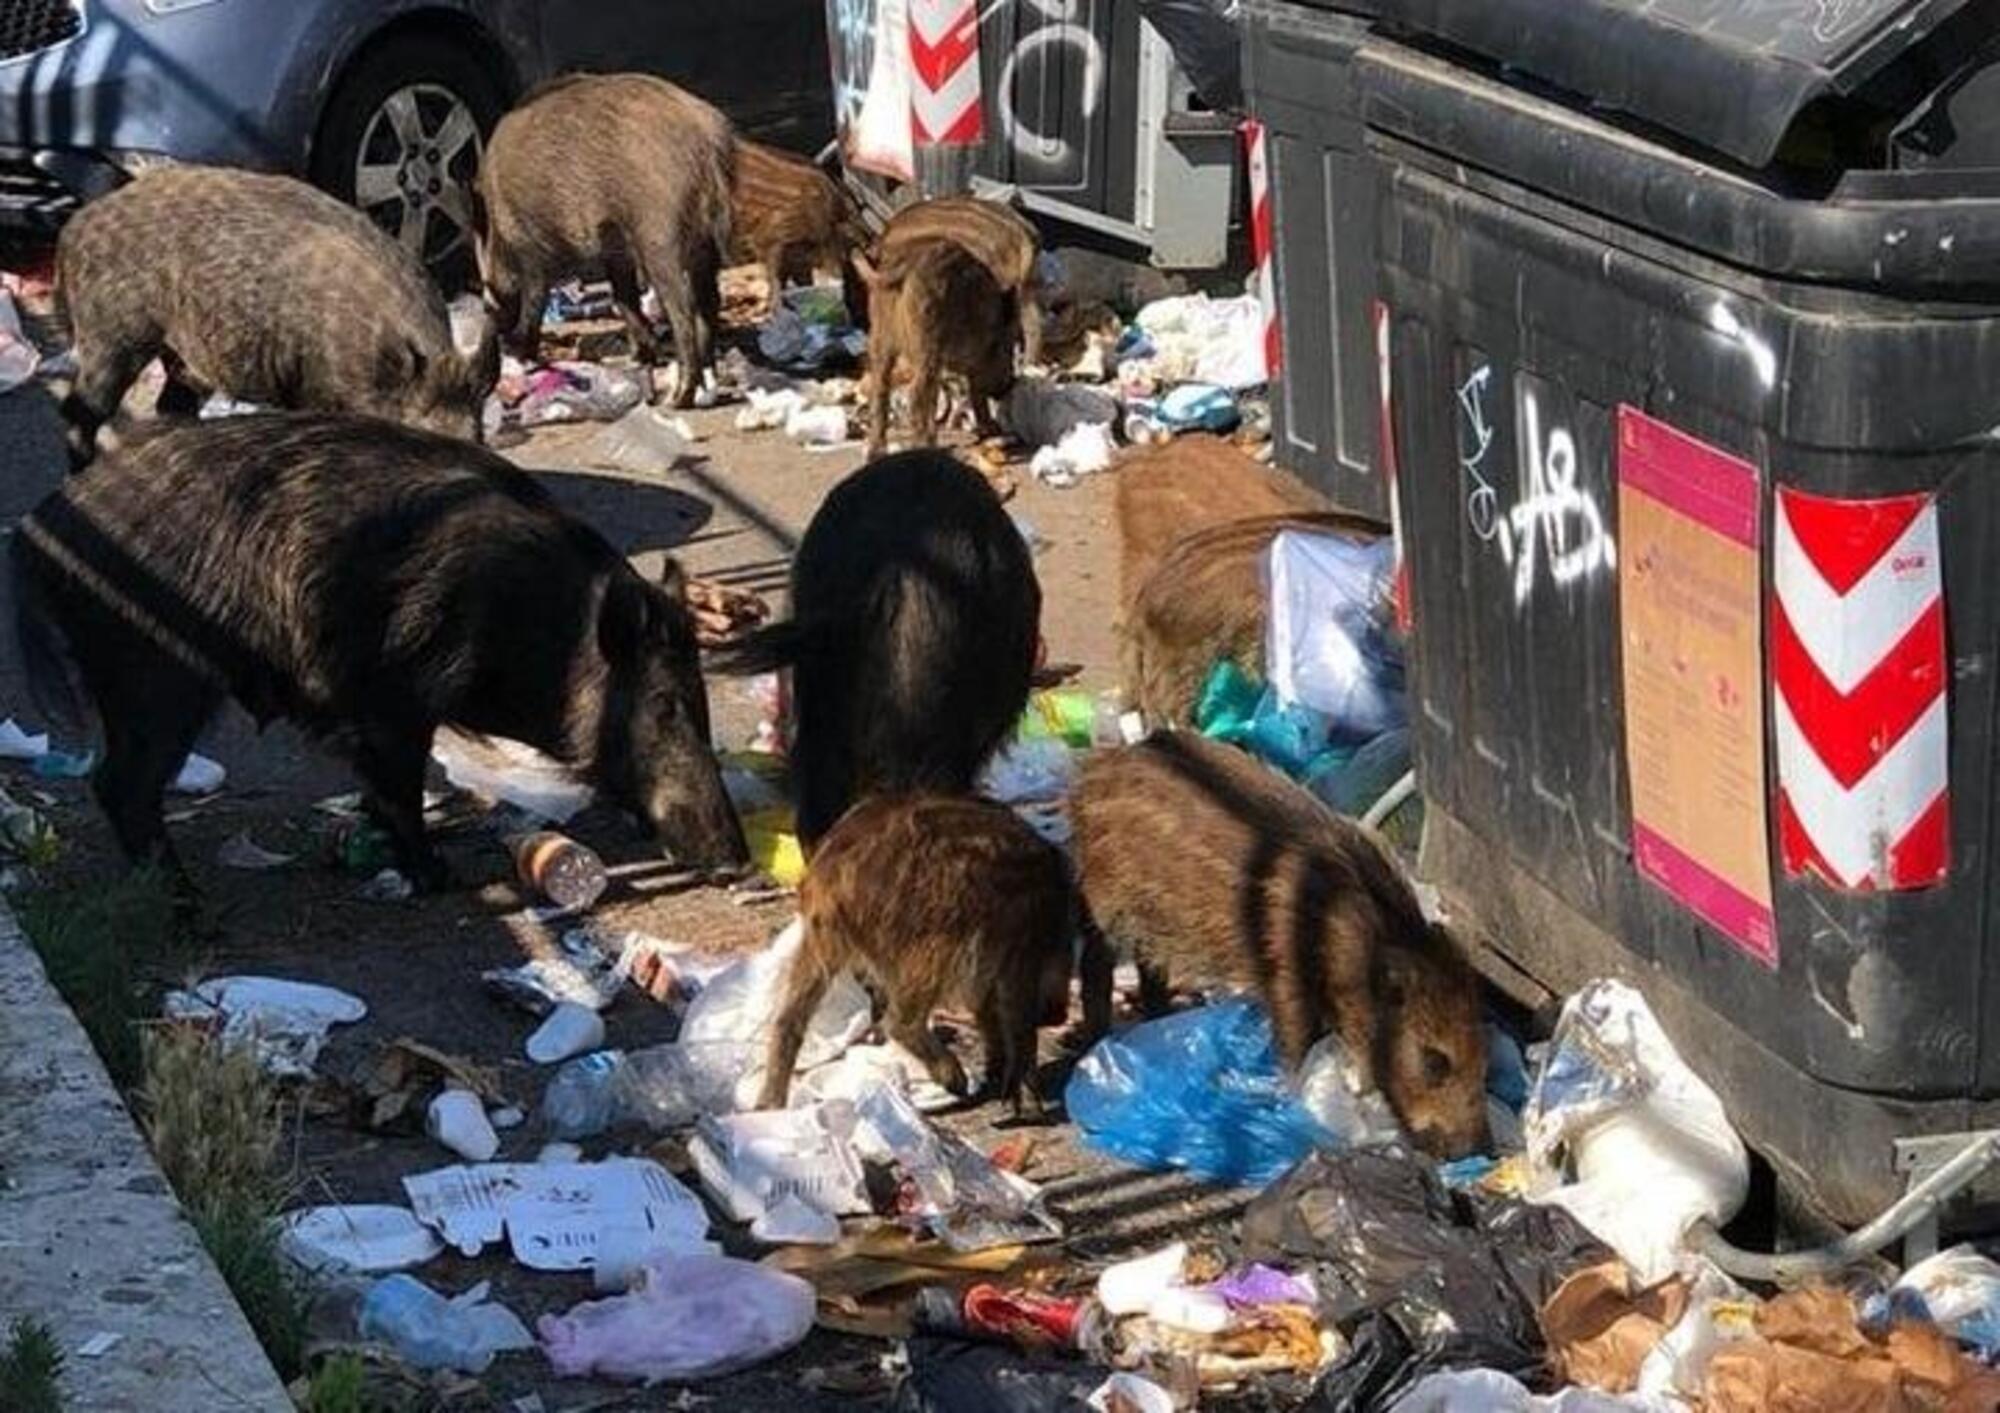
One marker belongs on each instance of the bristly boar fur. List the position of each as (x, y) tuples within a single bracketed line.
[(937, 310), (1204, 602), (1218, 870), (262, 288), (933, 901), (1177, 488), (794, 220), (370, 583), (620, 175), (913, 637), (997, 236)]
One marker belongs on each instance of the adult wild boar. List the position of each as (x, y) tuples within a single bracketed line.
[(620, 175), (370, 583), (912, 640), (262, 288)]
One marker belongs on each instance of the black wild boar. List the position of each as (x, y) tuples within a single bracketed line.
[(933, 899), (1216, 869), (619, 175), (998, 237), (915, 609), (370, 583), (262, 288), (936, 310)]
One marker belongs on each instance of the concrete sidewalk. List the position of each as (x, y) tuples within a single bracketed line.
[(92, 1242)]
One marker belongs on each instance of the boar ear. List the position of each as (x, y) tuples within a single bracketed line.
[(624, 619), (398, 363), (673, 579)]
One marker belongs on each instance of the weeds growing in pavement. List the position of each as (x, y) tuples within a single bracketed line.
[(31, 1369), (100, 945)]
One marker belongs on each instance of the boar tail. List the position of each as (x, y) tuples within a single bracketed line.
[(51, 680), (766, 649)]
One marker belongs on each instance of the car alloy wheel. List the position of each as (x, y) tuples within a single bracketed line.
[(413, 172)]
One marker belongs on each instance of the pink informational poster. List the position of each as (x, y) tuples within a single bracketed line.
[(1691, 612)]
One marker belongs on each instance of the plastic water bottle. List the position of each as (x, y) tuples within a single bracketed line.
[(565, 872), (425, 1329), (583, 1098)]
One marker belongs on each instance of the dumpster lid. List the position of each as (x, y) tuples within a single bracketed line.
[(1731, 75)]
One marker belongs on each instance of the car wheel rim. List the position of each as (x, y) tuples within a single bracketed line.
[(414, 171)]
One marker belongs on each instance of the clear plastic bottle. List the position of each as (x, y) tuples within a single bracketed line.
[(565, 872), (583, 1097), (428, 1331)]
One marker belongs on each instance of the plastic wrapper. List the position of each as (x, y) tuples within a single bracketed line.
[(1329, 644), (691, 1317), (1207, 42), (958, 1376), (1201, 1090), (1650, 1145), (1957, 1289), (1235, 707), (430, 1331)]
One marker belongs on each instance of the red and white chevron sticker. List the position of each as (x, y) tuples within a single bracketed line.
[(1858, 653), (944, 65), (1261, 246)]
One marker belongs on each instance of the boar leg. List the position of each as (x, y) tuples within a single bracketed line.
[(153, 708), (1094, 969), (1156, 994), (805, 987), (524, 331), (629, 295), (674, 284), (926, 392), (909, 1025), (881, 373), (1030, 306), (104, 375), (390, 758), (1007, 1029), (179, 397)]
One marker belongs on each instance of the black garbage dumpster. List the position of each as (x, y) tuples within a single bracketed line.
[(1684, 322)]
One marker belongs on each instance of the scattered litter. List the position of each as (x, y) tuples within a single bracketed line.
[(65, 765), (952, 1375), (1201, 1090), (738, 1004), (792, 1221), (576, 302), (774, 846), (514, 774), (1083, 451), (861, 1067), (27, 834), (1131, 1287), (99, 1344), (1041, 414), (569, 875), (806, 331), (16, 744), (198, 776), (644, 440), (569, 1030), (721, 612), (1650, 1145), (1489, 1391), (553, 1213), (1197, 339), (221, 405), (1128, 1393), (949, 1187), (767, 409), (505, 1119), (559, 1153), (241, 851), (1191, 407), (1329, 641), (1957, 1289), (18, 357), (285, 1023), (1028, 772), (429, 1331), (569, 392), (691, 1317), (457, 1119), (1235, 707), (751, 1162), (396, 1088), (819, 427), (366, 1239), (388, 886)]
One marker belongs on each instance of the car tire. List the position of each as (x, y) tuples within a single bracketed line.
[(394, 141)]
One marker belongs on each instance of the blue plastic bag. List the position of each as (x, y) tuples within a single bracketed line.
[(1201, 1090)]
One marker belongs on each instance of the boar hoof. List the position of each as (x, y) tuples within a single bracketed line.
[(950, 1075)]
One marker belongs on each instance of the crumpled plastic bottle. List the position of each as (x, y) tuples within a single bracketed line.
[(428, 1331)]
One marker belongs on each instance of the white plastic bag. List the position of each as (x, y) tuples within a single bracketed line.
[(1330, 1088), (285, 1023), (1326, 641), (1958, 1290), (691, 1317), (1650, 1145), (880, 140)]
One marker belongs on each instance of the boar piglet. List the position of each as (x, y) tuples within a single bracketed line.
[(795, 220), (1216, 870), (997, 236), (262, 288), (912, 641), (623, 176), (369, 583), (934, 900), (935, 309)]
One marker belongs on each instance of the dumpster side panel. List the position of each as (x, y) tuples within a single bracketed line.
[(1062, 96)]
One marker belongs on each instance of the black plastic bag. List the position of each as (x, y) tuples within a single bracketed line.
[(958, 1376), (1420, 1279), (1208, 45)]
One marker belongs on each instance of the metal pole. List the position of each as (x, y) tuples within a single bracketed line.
[(947, 117)]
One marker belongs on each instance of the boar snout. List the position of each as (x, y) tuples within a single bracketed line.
[(696, 824)]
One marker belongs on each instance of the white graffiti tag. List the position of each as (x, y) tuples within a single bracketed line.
[(1064, 35), (1553, 511), (1482, 502)]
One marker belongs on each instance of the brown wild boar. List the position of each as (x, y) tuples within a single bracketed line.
[(998, 236), (795, 220), (369, 583), (1174, 489), (620, 175), (262, 288), (933, 900), (936, 310), (912, 641), (1217, 870), (1203, 602)]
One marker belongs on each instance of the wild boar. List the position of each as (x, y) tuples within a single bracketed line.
[(933, 900), (623, 176), (262, 288), (997, 236), (794, 220), (370, 583), (912, 641), (1218, 870), (1205, 601), (937, 309)]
